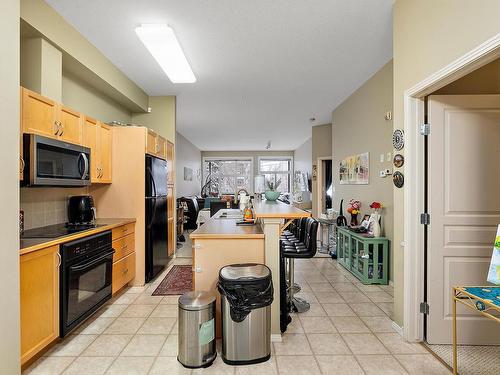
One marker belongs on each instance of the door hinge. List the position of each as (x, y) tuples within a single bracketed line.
[(424, 308), (425, 219), (425, 129)]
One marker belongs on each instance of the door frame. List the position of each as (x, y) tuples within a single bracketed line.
[(414, 111), (319, 181)]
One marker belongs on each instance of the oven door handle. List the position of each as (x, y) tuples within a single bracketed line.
[(92, 263)]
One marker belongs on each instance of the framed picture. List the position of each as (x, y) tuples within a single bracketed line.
[(188, 174), (354, 170)]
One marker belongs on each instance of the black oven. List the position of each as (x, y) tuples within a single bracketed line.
[(50, 162), (86, 275)]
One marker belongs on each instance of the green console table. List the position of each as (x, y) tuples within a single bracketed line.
[(365, 257)]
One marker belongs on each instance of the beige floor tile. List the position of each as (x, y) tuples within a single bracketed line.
[(147, 299), (354, 297), (339, 365), (329, 297), (339, 278), (107, 346), (49, 366), (265, 368), (317, 324), (123, 326), (170, 300), (168, 366), (131, 366), (378, 323), (136, 289), (380, 364), (124, 299), (217, 368), (304, 287), (137, 311), (111, 311), (308, 296), (315, 310), (295, 325), (364, 343), (349, 324), (157, 326), (94, 326), (298, 365), (338, 309), (366, 309), (321, 287), (165, 311), (380, 296), (345, 287), (169, 348), (327, 343), (397, 345), (292, 344), (368, 288), (144, 346), (71, 346), (386, 307), (314, 277), (417, 364), (89, 365)]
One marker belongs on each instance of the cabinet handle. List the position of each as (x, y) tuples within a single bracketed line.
[(23, 164), (125, 270), (62, 128), (56, 127), (124, 247), (125, 229), (59, 260)]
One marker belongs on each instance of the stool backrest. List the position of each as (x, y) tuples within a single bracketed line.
[(310, 236), (301, 229)]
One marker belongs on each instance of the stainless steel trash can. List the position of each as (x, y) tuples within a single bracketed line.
[(196, 342), (246, 297)]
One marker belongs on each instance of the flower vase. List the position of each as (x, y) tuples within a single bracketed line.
[(354, 220), (376, 224)]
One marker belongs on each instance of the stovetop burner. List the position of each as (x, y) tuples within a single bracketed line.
[(58, 230)]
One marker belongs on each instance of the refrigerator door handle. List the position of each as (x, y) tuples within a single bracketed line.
[(152, 181), (153, 214)]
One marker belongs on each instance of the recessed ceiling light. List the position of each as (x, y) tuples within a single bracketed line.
[(161, 42)]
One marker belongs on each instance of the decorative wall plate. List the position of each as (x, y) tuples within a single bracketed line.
[(398, 179), (398, 139), (398, 160)]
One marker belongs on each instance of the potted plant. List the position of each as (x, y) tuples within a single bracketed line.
[(375, 218), (272, 192)]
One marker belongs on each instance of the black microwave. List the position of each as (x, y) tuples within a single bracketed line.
[(50, 162)]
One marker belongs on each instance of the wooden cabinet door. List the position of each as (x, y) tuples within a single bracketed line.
[(170, 163), (39, 287), (38, 114), (71, 123), (90, 135), (105, 146), (171, 227), (151, 146), (22, 164), (161, 144)]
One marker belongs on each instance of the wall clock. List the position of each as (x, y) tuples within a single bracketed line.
[(398, 160), (398, 179), (398, 139)]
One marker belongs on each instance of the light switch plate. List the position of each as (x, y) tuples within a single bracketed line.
[(389, 156), (381, 158)]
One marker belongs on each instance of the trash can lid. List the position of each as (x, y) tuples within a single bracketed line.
[(248, 271), (196, 300)]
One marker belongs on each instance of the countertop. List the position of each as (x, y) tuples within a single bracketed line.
[(217, 227), (32, 244), (277, 210)]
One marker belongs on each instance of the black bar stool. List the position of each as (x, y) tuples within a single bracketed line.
[(294, 236), (300, 250)]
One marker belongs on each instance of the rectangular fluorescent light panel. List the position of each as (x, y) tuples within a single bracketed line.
[(161, 42)]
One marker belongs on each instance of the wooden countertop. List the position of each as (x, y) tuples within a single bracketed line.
[(277, 210), (32, 244), (226, 228)]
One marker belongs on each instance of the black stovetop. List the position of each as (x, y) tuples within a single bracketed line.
[(57, 230)]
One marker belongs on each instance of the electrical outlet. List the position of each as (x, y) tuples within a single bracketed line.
[(382, 174), (389, 156), (388, 172), (381, 158)]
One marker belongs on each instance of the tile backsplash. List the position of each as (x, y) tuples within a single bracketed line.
[(46, 206)]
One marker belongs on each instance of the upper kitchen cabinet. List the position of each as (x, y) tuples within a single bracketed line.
[(156, 145), (170, 163), (98, 137), (70, 123), (39, 115)]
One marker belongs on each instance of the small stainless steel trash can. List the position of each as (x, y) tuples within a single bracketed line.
[(196, 342), (246, 297)]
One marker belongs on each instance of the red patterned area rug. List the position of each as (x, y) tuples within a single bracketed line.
[(179, 280)]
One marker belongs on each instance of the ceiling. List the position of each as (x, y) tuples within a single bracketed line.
[(263, 68)]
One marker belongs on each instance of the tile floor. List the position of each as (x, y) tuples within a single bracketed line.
[(347, 331)]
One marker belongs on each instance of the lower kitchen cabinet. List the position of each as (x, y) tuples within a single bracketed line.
[(39, 286), (124, 257)]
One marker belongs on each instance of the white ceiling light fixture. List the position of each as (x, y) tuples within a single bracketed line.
[(161, 42)]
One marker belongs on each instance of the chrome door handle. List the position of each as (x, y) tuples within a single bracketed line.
[(86, 168), (23, 164), (59, 260)]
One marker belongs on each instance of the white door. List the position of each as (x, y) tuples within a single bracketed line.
[(464, 207)]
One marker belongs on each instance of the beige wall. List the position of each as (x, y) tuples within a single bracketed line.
[(427, 36), (162, 118), (321, 147), (9, 151), (358, 126)]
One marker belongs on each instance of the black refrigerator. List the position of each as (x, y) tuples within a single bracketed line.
[(156, 216)]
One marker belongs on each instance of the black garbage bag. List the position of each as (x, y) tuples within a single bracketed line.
[(246, 287)]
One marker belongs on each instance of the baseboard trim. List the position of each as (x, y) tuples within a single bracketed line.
[(276, 337), (397, 328)]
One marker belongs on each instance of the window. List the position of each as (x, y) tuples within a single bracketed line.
[(275, 169), (227, 176)]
